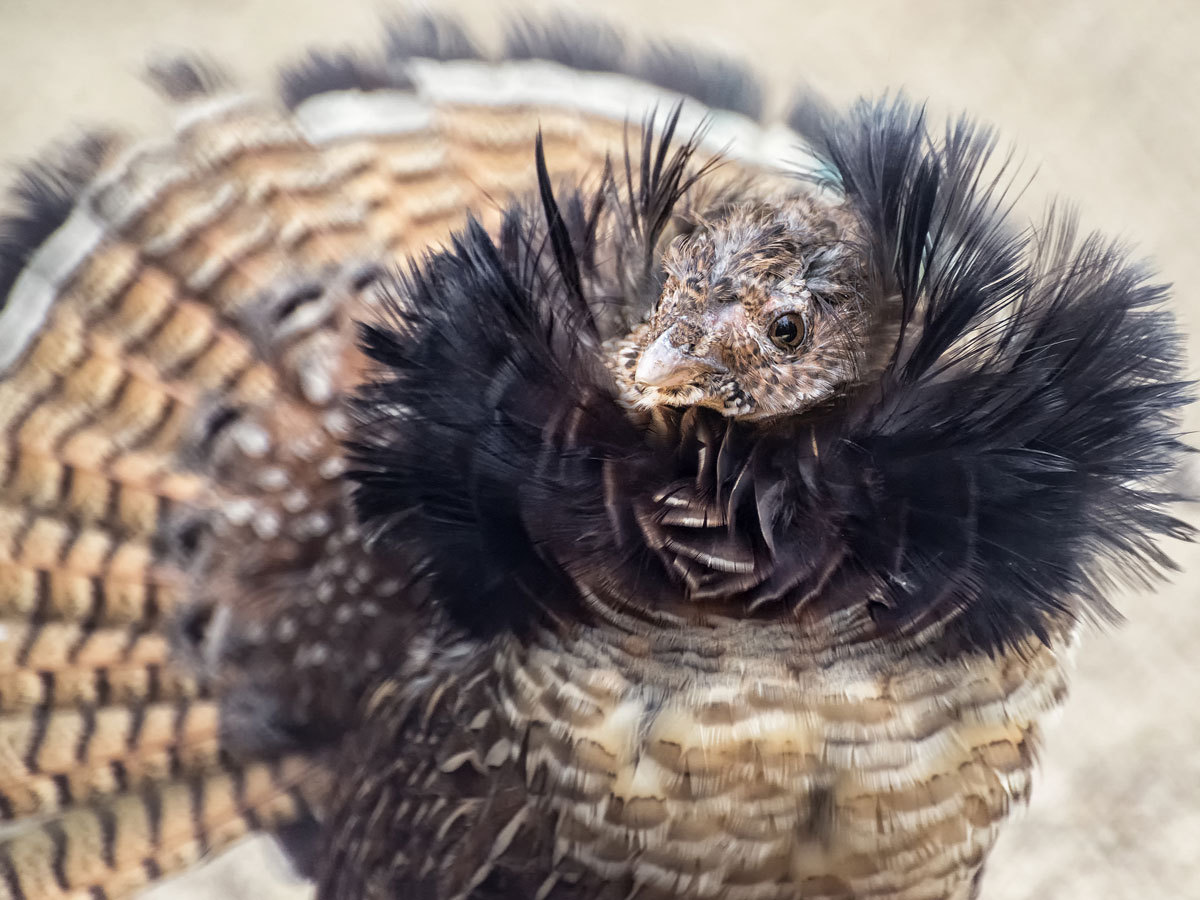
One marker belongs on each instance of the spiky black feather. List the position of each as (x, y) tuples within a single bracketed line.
[(407, 37), (978, 495), (322, 71), (185, 77), (716, 80), (645, 195), (588, 45), (430, 37), (42, 196), (1036, 373)]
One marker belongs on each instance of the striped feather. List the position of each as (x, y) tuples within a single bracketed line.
[(173, 349)]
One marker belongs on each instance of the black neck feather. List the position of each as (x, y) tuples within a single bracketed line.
[(1007, 462)]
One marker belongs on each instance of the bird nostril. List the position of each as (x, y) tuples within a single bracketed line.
[(662, 364)]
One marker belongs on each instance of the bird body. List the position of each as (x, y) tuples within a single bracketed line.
[(592, 521), (695, 775)]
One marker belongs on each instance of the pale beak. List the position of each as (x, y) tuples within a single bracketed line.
[(663, 365)]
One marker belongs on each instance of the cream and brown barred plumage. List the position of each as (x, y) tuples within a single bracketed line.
[(772, 613)]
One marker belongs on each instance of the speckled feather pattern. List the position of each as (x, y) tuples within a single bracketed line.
[(727, 282)]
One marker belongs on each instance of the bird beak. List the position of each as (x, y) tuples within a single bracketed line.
[(663, 365)]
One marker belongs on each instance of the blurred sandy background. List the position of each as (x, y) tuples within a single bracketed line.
[(1102, 96)]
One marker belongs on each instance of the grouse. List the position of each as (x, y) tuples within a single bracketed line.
[(543, 477)]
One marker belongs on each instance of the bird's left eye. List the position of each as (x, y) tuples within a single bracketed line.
[(788, 331)]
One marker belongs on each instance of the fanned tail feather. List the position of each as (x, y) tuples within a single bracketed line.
[(112, 771), (114, 847), (175, 344), (150, 302)]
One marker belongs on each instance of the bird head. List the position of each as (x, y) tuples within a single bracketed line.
[(761, 313)]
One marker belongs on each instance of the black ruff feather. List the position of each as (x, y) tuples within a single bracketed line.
[(519, 361), (980, 494)]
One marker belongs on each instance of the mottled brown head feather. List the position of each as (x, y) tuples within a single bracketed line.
[(762, 313)]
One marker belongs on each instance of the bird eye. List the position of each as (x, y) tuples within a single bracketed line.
[(788, 331)]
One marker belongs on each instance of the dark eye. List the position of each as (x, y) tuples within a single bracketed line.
[(788, 331)]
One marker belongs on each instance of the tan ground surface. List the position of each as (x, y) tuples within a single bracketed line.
[(1102, 95)]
